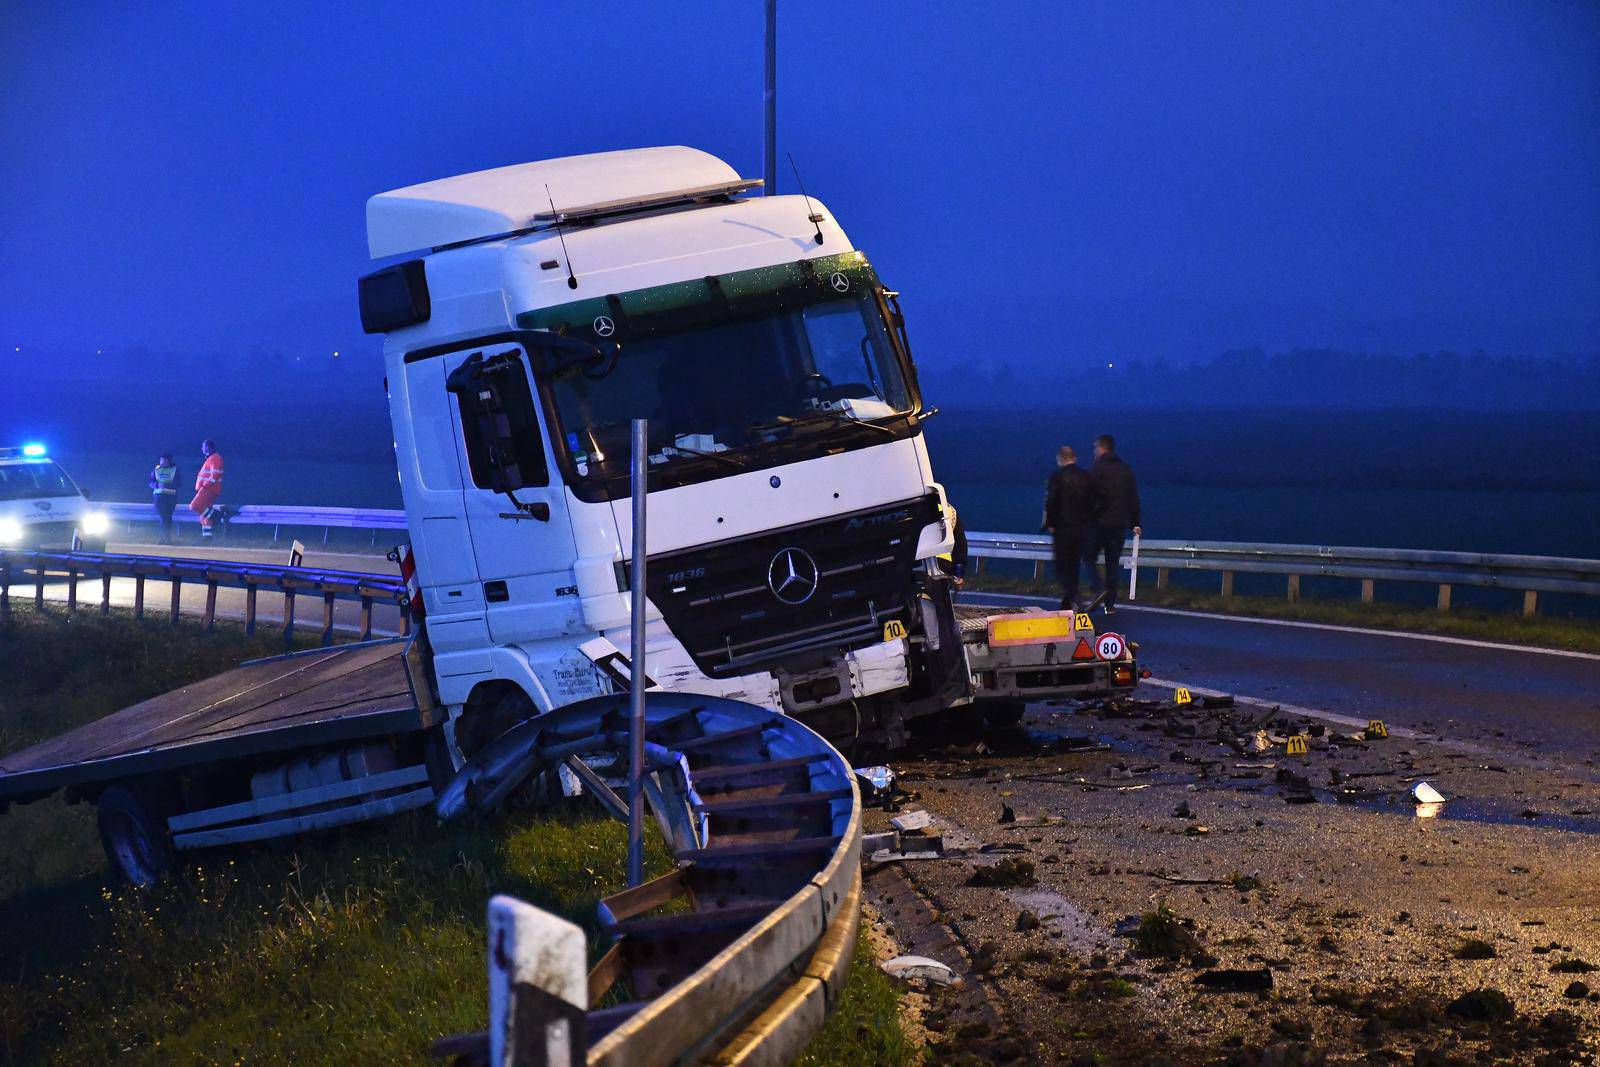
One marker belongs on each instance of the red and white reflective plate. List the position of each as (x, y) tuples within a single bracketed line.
[(1110, 646)]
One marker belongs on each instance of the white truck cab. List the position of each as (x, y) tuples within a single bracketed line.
[(530, 313), (42, 508)]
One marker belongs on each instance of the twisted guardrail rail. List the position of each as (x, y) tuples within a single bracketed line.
[(734, 957)]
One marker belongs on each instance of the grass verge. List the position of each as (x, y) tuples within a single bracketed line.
[(353, 946), (865, 1028), (1540, 631)]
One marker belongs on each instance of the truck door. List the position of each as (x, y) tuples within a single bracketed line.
[(515, 508)]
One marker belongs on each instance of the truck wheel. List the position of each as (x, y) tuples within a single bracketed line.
[(494, 715), (133, 829), (436, 756), (1003, 714)]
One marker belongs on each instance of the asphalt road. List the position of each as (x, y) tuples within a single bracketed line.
[(1544, 703)]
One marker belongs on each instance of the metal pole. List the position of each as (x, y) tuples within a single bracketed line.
[(770, 172), (636, 671)]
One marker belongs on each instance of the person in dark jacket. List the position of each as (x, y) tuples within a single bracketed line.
[(1118, 495), (1071, 506)]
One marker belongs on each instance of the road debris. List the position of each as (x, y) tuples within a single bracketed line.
[(1007, 873), (876, 780), (919, 968), (1236, 981), (1426, 794), (912, 820)]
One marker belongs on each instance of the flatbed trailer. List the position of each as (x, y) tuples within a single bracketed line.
[(1028, 654), (274, 747)]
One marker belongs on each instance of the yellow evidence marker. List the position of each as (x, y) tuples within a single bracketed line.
[(1081, 621), (893, 629), (1181, 696), (1376, 729), (1296, 745)]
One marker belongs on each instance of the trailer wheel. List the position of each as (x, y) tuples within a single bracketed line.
[(133, 829), (1003, 714)]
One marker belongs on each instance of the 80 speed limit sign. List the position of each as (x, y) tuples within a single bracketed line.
[(1109, 646)]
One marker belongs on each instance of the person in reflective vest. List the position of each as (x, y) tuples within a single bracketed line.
[(164, 493), (208, 488)]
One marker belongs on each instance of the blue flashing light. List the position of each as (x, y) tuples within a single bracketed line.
[(33, 450)]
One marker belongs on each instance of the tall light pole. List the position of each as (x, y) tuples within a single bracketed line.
[(770, 171)]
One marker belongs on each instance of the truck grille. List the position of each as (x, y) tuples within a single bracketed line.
[(798, 593)]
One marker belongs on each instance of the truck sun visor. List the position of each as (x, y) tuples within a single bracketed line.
[(394, 297)]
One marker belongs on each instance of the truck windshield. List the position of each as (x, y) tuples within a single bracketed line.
[(30, 481), (742, 377)]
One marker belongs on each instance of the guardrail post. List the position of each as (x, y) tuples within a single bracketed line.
[(366, 618), (327, 619), (1294, 588), (5, 590), (211, 605), (1366, 590), (1444, 596), (1038, 569), (288, 617), (1227, 584), (1162, 574), (177, 598), (1530, 602), (38, 587), (250, 611), (72, 590), (538, 987), (977, 566), (105, 592), (138, 596)]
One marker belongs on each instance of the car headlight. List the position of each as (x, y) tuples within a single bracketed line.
[(94, 524), (10, 531)]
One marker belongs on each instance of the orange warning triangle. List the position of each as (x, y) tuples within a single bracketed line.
[(1083, 651)]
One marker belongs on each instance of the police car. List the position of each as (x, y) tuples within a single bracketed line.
[(40, 507)]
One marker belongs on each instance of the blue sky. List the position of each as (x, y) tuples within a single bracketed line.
[(1050, 184)]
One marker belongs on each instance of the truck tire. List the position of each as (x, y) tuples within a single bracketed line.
[(1003, 714), (133, 829)]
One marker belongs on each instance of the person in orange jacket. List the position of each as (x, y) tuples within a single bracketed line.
[(207, 487)]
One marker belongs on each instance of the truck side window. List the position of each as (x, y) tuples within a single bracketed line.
[(501, 427)]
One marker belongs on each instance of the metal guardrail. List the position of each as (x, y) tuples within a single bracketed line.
[(274, 515), (41, 568), (1531, 575), (764, 820)]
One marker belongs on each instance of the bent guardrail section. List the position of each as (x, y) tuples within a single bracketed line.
[(39, 569), (1530, 575), (764, 820)]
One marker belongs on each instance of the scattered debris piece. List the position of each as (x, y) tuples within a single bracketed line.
[(985, 958), (1573, 966), (1010, 871), (1234, 980), (1475, 948), (1161, 933), (1426, 794), (919, 968), (1196, 831), (912, 820), (1483, 1005), (877, 779), (1006, 814), (1026, 921), (1577, 990), (1182, 811)]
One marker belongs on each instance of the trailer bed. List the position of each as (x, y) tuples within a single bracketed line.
[(302, 700)]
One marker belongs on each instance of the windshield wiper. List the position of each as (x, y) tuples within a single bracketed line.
[(721, 457), (837, 418)]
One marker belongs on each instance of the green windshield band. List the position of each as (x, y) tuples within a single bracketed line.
[(758, 291)]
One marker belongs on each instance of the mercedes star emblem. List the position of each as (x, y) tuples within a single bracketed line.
[(604, 326), (792, 576), (839, 282)]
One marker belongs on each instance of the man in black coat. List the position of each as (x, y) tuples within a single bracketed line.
[(1070, 509), (1118, 494)]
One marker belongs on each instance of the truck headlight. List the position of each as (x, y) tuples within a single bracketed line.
[(10, 531), (94, 523)]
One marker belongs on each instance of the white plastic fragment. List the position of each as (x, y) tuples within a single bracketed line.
[(908, 968), (1426, 794), (912, 820)]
